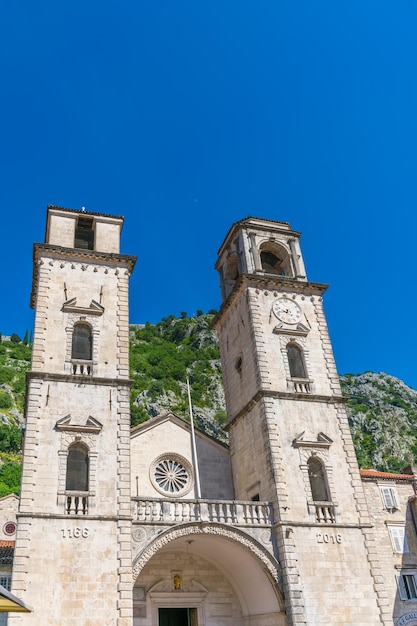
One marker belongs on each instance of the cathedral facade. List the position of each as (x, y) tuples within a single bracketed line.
[(156, 527)]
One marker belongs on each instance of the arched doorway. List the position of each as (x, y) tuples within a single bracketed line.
[(192, 575)]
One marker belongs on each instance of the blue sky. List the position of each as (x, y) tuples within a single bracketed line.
[(186, 116)]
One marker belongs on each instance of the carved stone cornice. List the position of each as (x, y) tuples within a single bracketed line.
[(77, 380), (89, 257), (310, 397)]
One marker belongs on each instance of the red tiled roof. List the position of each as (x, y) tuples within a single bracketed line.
[(6, 552), (385, 475)]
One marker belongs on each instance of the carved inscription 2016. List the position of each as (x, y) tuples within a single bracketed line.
[(328, 538)]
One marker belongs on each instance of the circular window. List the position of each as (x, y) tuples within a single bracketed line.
[(171, 475), (9, 528)]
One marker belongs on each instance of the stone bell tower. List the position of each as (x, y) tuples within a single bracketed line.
[(289, 434), (72, 559)]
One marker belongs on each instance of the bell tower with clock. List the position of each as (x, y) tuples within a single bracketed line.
[(290, 442)]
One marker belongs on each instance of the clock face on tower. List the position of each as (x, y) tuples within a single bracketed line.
[(287, 311)]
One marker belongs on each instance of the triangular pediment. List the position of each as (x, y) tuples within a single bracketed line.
[(168, 416), (95, 308), (324, 438), (299, 331), (322, 441), (92, 425)]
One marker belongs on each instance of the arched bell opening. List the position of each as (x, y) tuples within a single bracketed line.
[(212, 571), (275, 259), (230, 273)]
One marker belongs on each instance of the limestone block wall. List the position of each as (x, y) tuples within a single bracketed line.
[(257, 359), (74, 574), (62, 224), (61, 281), (44, 463), (266, 461), (332, 560), (215, 470), (107, 236), (61, 231), (8, 509), (239, 358)]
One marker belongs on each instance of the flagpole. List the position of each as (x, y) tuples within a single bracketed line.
[(193, 445)]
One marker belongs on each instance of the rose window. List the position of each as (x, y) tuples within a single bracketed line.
[(9, 528), (171, 475)]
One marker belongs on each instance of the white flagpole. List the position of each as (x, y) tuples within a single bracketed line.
[(194, 448)]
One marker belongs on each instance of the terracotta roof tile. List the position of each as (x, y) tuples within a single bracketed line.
[(6, 552), (385, 475)]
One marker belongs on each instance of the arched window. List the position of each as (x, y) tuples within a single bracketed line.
[(232, 269), (77, 468), (318, 482), (296, 361), (82, 344)]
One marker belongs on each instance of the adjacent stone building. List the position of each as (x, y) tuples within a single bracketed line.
[(156, 528)]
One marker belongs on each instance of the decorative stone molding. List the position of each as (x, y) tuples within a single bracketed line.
[(322, 442), (258, 551), (91, 426), (70, 306), (88, 318), (320, 450), (87, 437)]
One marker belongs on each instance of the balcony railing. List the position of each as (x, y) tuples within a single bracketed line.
[(299, 385), (173, 511), (76, 503), (325, 512), (81, 368)]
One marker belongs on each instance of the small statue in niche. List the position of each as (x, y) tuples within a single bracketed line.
[(177, 582)]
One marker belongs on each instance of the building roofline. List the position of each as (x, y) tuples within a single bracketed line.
[(84, 212), (169, 415), (372, 474), (260, 223)]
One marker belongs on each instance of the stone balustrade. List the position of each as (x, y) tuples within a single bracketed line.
[(76, 503), (299, 385), (325, 512), (81, 368), (176, 511)]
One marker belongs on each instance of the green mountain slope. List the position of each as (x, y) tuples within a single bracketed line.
[(382, 410), (14, 362)]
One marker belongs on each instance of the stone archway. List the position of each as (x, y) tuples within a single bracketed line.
[(224, 574)]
